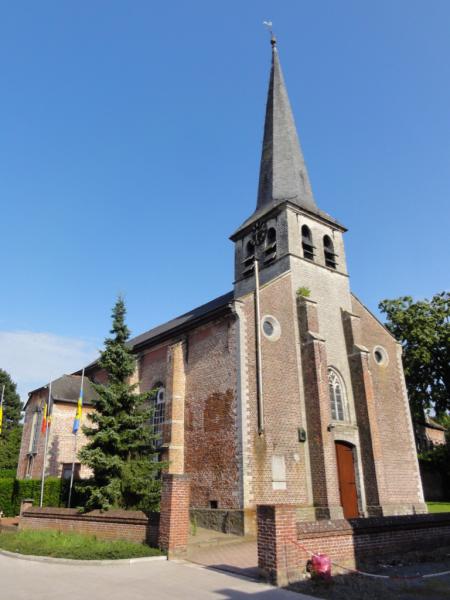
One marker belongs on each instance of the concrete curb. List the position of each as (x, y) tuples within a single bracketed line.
[(73, 561)]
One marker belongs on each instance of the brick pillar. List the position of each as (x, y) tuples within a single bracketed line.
[(324, 474), (363, 393), (25, 504), (278, 557), (174, 515)]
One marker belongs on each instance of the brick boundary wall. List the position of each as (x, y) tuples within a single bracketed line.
[(134, 526), (219, 519), (345, 542)]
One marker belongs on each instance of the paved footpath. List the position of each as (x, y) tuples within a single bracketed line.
[(159, 580)]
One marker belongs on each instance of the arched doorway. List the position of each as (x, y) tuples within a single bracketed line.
[(347, 479)]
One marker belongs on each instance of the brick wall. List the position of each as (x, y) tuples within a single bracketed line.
[(345, 542), (134, 526), (211, 444), (399, 485), (282, 398), (278, 558), (325, 485)]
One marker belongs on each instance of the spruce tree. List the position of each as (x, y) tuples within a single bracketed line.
[(11, 429), (121, 447)]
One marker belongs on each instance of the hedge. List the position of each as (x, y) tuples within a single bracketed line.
[(13, 491), (8, 473), (6, 495)]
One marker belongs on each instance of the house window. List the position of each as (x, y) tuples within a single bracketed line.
[(159, 404), (337, 396), (328, 249), (29, 467), (67, 471), (35, 431), (307, 244), (270, 251), (249, 259)]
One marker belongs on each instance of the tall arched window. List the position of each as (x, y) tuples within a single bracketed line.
[(159, 412), (307, 244), (337, 396), (328, 249)]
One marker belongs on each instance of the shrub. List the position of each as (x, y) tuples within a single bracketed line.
[(6, 494), (303, 292), (13, 491), (7, 473)]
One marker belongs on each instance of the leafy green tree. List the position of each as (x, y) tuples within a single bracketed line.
[(423, 328), (121, 450), (11, 429)]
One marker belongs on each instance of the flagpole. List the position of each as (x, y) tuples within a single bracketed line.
[(75, 435), (1, 408), (45, 444)]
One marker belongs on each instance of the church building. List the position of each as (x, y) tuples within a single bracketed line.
[(286, 390)]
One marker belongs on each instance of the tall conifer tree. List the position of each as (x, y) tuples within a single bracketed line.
[(121, 450), (11, 428)]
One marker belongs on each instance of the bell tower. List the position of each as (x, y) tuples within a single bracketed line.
[(291, 288), (286, 224)]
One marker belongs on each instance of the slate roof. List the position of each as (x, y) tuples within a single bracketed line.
[(67, 389), (179, 324), (283, 176), (183, 321), (429, 422)]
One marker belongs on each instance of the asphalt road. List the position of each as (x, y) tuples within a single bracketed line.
[(160, 580)]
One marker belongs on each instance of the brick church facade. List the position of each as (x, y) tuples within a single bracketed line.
[(287, 390)]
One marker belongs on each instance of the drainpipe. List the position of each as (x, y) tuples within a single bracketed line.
[(259, 383)]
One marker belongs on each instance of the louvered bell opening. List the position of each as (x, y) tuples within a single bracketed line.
[(308, 250), (270, 251), (248, 270), (330, 259)]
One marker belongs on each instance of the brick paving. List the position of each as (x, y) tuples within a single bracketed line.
[(225, 552)]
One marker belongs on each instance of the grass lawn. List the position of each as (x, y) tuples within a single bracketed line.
[(72, 545), (437, 507)]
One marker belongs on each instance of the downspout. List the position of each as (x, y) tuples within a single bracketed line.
[(259, 382)]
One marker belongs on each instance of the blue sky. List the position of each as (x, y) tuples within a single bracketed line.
[(130, 138)]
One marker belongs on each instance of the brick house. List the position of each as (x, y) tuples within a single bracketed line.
[(286, 390), (65, 393), (429, 434)]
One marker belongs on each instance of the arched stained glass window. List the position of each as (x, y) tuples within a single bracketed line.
[(337, 396), (159, 404)]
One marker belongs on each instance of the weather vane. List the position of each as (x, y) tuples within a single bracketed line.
[(268, 25)]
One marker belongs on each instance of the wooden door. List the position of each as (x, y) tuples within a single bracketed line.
[(347, 479)]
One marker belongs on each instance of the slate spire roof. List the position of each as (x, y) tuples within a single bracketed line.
[(283, 175)]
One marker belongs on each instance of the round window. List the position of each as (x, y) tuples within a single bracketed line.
[(380, 355), (268, 328), (271, 328)]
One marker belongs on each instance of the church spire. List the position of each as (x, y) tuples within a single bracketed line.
[(283, 175)]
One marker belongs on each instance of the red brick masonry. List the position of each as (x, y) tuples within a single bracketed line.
[(346, 542), (135, 526), (174, 520)]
